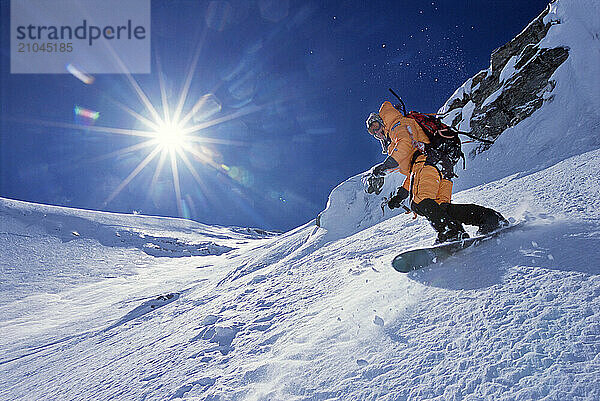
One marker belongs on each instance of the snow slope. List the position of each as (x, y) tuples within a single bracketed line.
[(304, 317), (99, 306), (51, 232)]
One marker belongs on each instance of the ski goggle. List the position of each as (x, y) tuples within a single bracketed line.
[(376, 129)]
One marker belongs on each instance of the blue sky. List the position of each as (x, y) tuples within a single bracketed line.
[(294, 80)]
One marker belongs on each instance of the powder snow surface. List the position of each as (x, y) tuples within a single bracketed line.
[(308, 315), (98, 306)]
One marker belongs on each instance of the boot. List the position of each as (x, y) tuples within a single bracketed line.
[(492, 221), (448, 228), (486, 219)]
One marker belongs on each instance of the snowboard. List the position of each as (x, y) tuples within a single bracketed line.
[(415, 259)]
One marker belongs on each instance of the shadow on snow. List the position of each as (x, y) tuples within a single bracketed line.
[(558, 245)]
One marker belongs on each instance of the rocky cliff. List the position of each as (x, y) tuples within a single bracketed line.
[(516, 84)]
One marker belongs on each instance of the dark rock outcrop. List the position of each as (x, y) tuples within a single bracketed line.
[(516, 84)]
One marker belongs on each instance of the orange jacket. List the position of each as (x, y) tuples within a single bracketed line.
[(402, 131)]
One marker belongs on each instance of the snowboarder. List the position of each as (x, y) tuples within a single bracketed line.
[(428, 184)]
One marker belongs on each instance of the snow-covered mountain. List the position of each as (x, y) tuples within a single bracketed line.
[(539, 100), (99, 306)]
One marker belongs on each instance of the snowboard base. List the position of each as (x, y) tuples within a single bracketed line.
[(418, 258)]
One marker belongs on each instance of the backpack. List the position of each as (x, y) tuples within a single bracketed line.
[(444, 149)]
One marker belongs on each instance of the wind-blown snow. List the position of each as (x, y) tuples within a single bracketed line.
[(114, 307)]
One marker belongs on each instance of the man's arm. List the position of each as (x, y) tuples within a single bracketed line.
[(388, 164), (398, 199)]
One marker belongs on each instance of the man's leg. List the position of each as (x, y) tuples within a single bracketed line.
[(444, 194), (447, 228), (426, 187), (474, 215)]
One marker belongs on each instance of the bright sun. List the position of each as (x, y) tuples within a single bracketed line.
[(171, 133), (171, 136)]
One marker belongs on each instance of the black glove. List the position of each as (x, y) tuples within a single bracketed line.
[(374, 184), (388, 164), (396, 200), (379, 170)]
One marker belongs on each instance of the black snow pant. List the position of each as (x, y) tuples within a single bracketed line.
[(474, 215), (448, 218), (447, 227)]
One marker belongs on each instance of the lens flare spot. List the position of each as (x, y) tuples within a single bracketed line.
[(206, 107), (234, 173), (80, 74), (85, 116), (241, 175)]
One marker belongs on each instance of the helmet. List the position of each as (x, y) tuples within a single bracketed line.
[(373, 117), (377, 132)]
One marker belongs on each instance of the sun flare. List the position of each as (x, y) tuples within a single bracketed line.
[(171, 136)]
